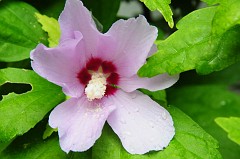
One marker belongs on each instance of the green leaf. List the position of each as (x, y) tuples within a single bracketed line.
[(205, 98), (35, 150), (21, 112), (48, 132), (81, 155), (190, 142), (32, 146), (3, 145), (226, 17), (20, 31), (205, 44), (52, 27), (104, 10), (211, 2), (163, 7), (231, 126)]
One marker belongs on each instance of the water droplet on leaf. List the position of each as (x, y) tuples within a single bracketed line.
[(223, 103)]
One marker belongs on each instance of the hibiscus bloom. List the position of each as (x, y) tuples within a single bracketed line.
[(98, 71)]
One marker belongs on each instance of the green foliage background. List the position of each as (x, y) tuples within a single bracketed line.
[(204, 46)]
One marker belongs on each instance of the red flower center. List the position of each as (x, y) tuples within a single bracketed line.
[(98, 65)]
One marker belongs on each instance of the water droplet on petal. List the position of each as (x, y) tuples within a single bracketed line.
[(127, 133), (151, 124), (136, 109), (89, 136), (133, 95), (123, 121), (164, 115), (158, 119), (132, 149), (151, 139)]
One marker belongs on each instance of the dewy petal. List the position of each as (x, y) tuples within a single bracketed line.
[(134, 39), (141, 124), (79, 123), (159, 82), (75, 17), (60, 65)]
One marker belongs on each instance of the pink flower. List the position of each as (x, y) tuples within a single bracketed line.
[(98, 71)]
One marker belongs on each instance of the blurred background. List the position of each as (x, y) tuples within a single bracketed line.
[(125, 9)]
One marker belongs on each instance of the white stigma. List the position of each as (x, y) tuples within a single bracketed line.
[(96, 87)]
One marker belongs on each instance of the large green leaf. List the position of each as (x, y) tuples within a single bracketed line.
[(104, 10), (32, 146), (231, 126), (227, 16), (34, 150), (205, 98), (211, 2), (205, 44), (190, 142), (163, 7), (20, 31), (21, 112)]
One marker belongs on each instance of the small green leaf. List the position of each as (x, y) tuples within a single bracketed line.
[(190, 142), (52, 27), (163, 7), (21, 112), (48, 132), (20, 31), (205, 44), (231, 126)]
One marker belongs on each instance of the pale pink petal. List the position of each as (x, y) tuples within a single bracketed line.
[(60, 65), (79, 123), (75, 17), (141, 124), (134, 39), (153, 50), (159, 82)]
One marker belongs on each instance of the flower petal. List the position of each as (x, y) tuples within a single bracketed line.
[(134, 39), (60, 65), (153, 50), (75, 17), (141, 124), (79, 123), (159, 82)]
